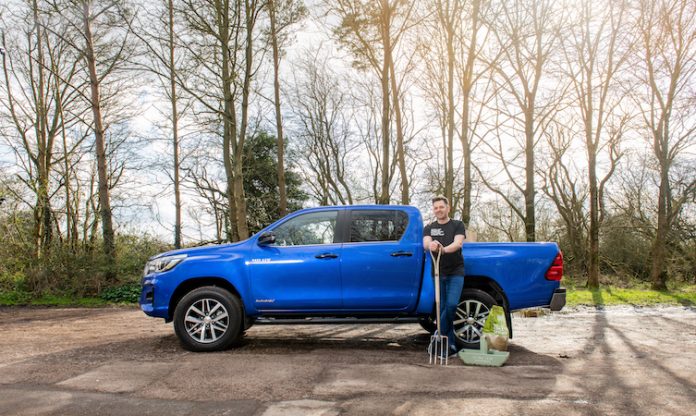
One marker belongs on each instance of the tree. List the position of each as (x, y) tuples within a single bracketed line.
[(668, 52), (371, 31), (282, 14), (527, 34), (564, 186), (221, 44), (163, 59), (322, 126), (261, 181), (38, 72), (99, 37), (596, 50), (452, 48)]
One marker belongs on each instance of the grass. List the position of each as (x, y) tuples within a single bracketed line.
[(25, 299), (605, 296), (609, 295)]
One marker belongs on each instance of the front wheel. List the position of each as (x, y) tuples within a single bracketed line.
[(208, 319), (472, 311)]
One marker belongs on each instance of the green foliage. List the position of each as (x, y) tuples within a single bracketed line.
[(12, 298), (261, 182), (81, 271), (128, 293), (18, 298)]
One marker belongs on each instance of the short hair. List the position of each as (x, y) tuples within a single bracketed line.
[(440, 198)]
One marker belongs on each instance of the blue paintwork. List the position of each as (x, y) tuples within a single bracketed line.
[(364, 277)]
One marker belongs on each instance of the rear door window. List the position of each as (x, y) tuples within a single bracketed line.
[(377, 225)]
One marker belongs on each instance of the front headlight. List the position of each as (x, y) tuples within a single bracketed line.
[(163, 264)]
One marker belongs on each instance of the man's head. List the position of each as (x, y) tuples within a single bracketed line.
[(441, 208)]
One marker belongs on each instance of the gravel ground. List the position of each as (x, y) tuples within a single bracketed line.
[(613, 361)]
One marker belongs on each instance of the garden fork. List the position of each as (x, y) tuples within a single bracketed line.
[(439, 344)]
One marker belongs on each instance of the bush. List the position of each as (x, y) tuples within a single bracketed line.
[(624, 249), (82, 271), (128, 293)]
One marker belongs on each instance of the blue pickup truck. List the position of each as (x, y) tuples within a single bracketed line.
[(339, 264)]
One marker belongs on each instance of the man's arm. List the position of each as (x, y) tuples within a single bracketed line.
[(456, 244)]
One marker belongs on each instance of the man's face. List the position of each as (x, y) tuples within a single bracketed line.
[(441, 210)]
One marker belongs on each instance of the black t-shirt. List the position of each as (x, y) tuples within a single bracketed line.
[(450, 263)]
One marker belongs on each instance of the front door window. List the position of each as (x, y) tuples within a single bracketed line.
[(309, 229)]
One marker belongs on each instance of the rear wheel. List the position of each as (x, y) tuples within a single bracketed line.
[(472, 311), (208, 319)]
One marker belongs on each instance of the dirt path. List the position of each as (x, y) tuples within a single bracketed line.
[(623, 360)]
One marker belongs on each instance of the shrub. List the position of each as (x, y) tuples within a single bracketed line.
[(128, 293)]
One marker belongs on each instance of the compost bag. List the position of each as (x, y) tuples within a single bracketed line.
[(495, 329)]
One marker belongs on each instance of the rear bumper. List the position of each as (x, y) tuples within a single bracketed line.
[(558, 300)]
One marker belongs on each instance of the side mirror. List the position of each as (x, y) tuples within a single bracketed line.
[(266, 239)]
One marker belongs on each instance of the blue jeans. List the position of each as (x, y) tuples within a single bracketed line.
[(450, 293)]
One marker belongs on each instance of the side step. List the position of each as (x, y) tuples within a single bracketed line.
[(332, 321)]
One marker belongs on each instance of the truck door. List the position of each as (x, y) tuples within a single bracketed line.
[(300, 271), (381, 261)]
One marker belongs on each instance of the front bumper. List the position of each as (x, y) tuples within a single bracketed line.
[(558, 300), (149, 300)]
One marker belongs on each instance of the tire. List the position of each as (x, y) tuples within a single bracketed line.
[(208, 319), (428, 324), (474, 306), (248, 322)]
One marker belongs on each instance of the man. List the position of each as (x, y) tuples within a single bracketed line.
[(447, 235)]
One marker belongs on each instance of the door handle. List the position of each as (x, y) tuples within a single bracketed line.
[(401, 254), (326, 256)]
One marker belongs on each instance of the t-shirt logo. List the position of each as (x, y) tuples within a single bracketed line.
[(437, 232)]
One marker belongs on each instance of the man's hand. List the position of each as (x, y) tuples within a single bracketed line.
[(435, 245)]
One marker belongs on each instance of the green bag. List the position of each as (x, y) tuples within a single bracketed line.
[(495, 329)]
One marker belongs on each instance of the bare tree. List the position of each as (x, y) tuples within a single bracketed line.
[(596, 49), (371, 31), (668, 49), (38, 68), (452, 44), (527, 34), (323, 126), (222, 43), (282, 14), (98, 36), (163, 58), (563, 185)]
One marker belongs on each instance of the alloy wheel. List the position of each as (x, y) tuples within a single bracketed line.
[(206, 320)]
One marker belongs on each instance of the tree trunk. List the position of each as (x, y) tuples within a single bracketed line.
[(449, 170), (43, 219), (103, 179), (239, 198), (466, 97), (658, 273), (400, 151), (175, 129), (386, 136), (593, 253), (229, 124), (283, 202), (529, 220)]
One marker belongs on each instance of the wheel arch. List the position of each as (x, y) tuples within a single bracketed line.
[(194, 283)]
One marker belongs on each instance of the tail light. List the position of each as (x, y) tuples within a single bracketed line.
[(555, 272)]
